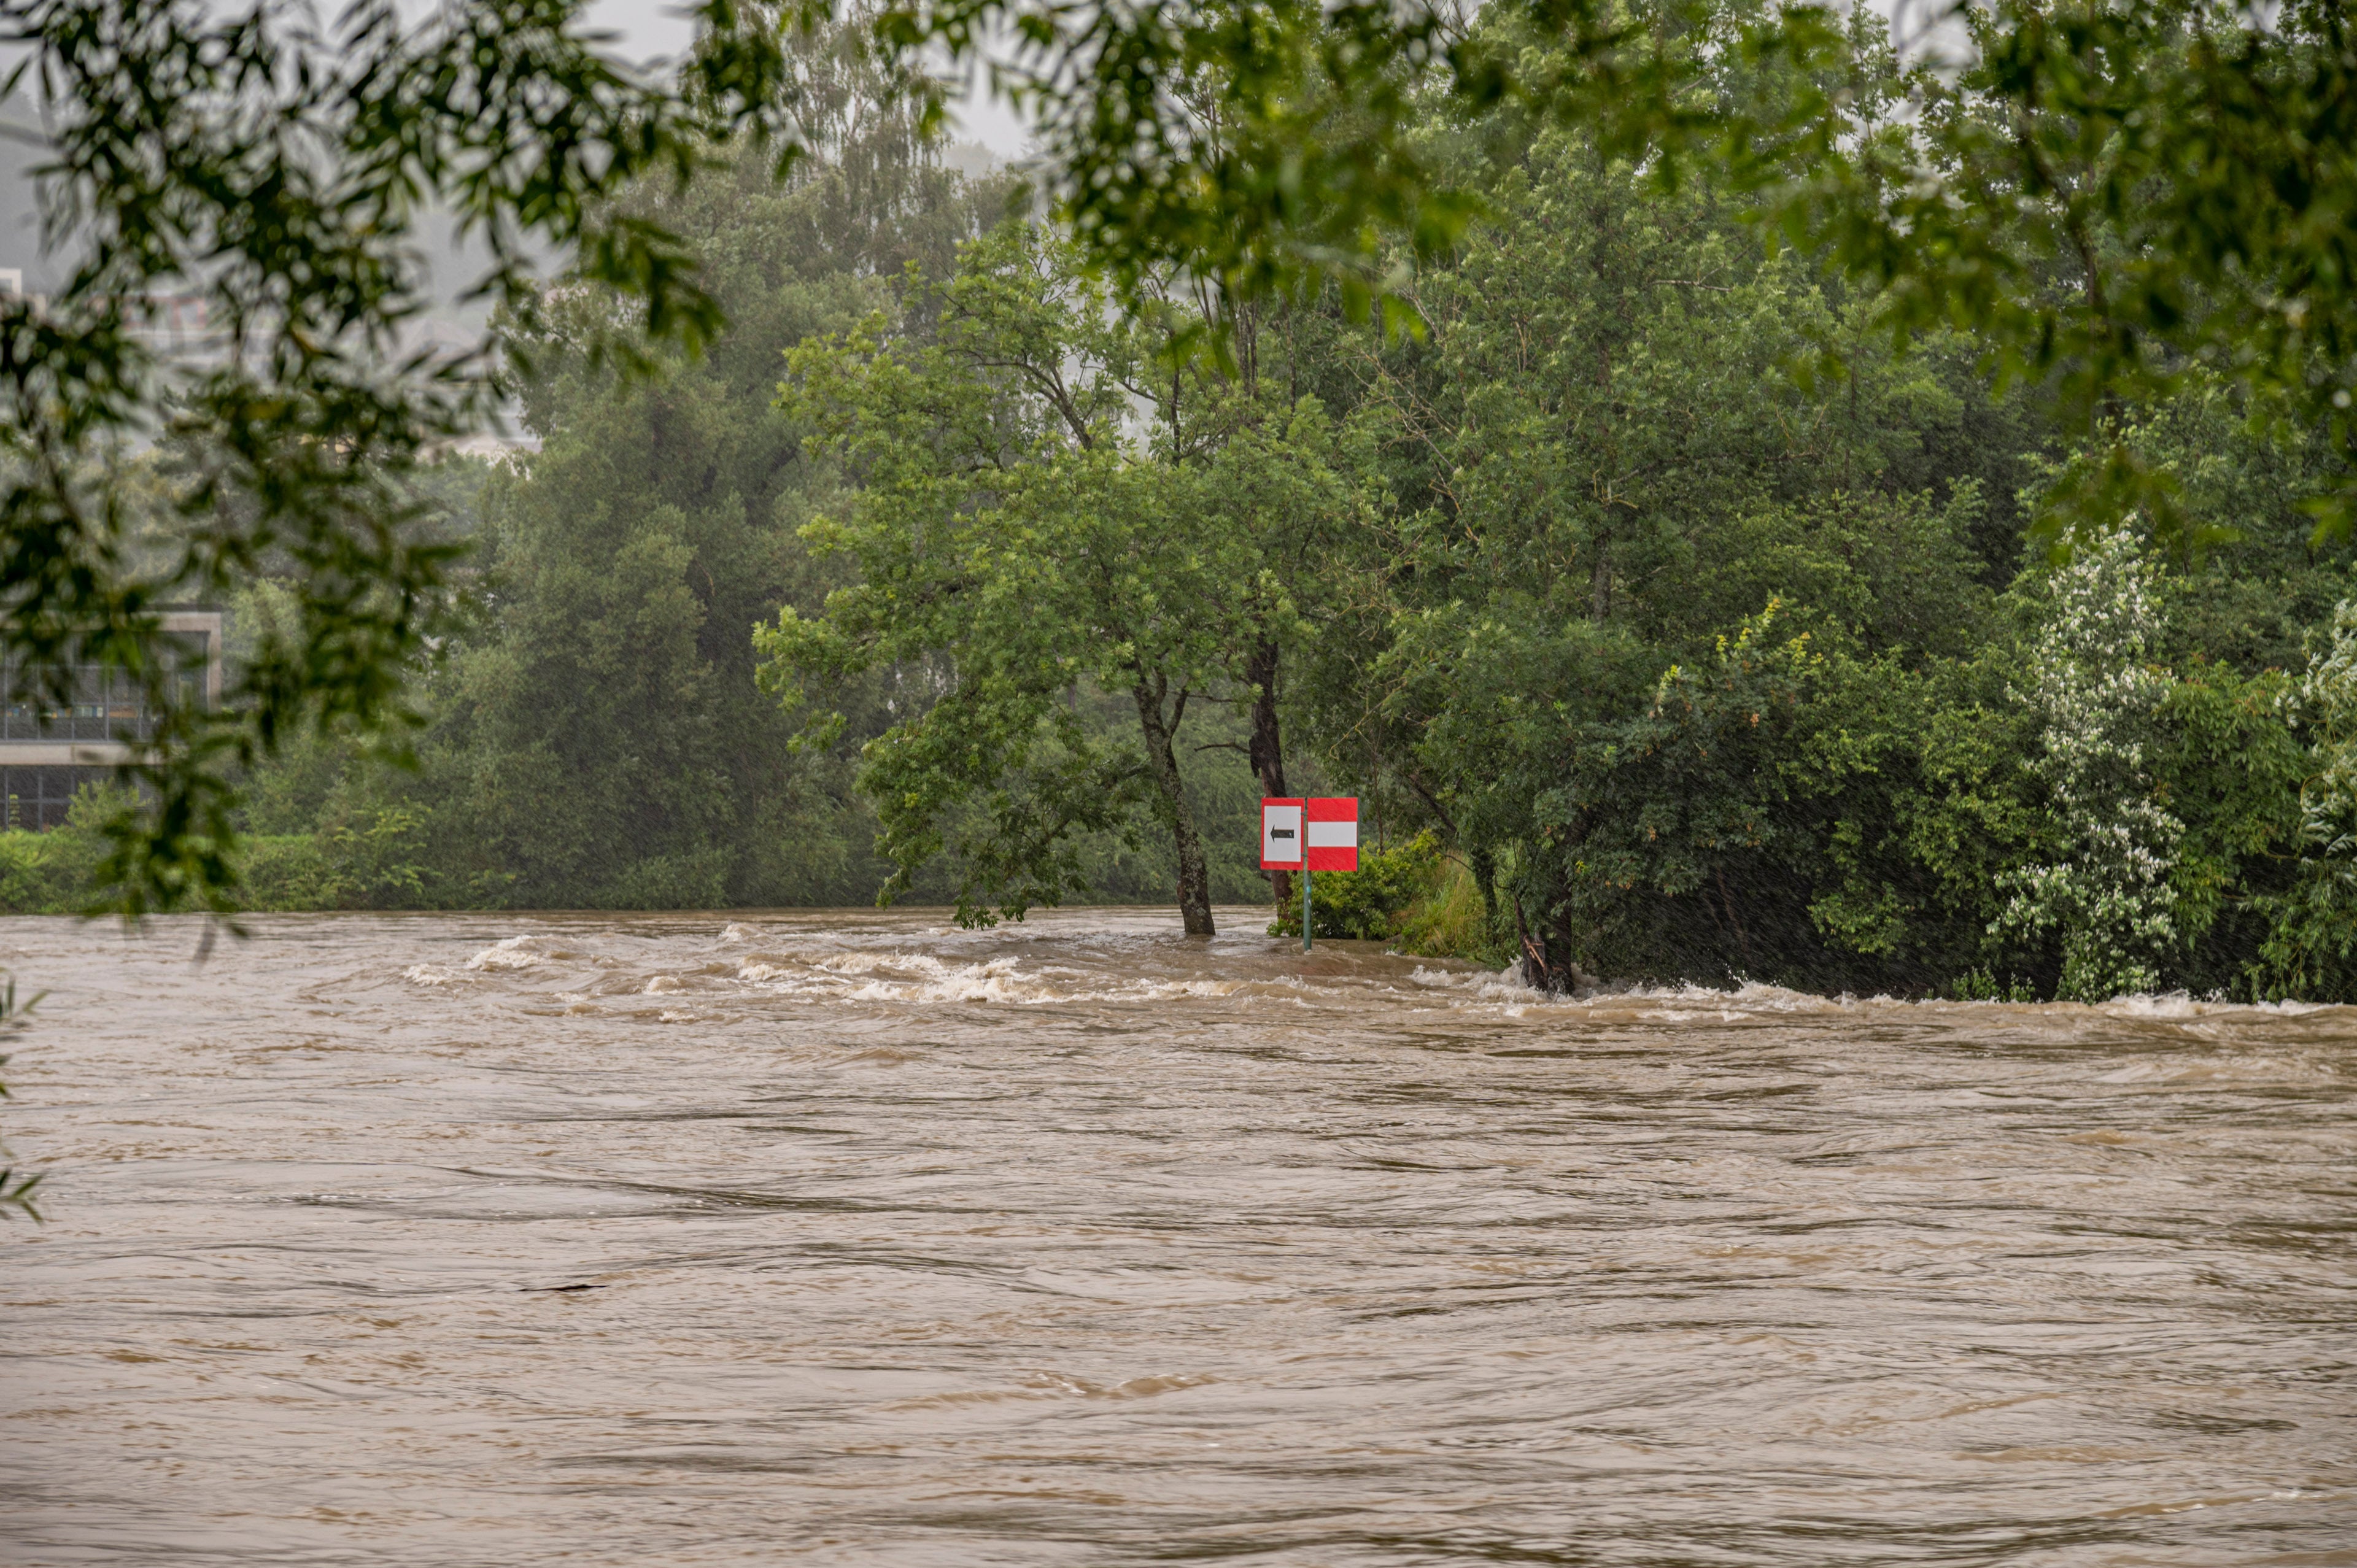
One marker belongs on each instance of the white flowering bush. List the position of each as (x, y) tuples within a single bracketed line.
[(2328, 699), (2314, 939), (2098, 697)]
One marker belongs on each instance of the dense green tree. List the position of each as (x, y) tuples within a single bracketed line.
[(1608, 452), (1630, 428), (1051, 503), (597, 738), (277, 171)]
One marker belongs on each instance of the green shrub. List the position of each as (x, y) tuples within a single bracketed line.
[(1453, 922), (56, 872), (282, 872), (33, 879), (1375, 903)]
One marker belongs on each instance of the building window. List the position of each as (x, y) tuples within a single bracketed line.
[(51, 748), (37, 799)]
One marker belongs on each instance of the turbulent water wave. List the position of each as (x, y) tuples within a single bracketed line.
[(901, 975), (919, 979), (1013, 969), (525, 952)]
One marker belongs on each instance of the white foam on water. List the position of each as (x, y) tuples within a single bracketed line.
[(515, 952), (919, 979), (820, 967), (2178, 1005), (870, 962), (1679, 1003)]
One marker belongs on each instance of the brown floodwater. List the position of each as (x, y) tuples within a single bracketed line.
[(854, 1239)]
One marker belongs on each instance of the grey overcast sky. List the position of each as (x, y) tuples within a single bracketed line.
[(646, 30), (649, 29)]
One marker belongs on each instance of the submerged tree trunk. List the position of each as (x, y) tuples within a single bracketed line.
[(1268, 748), (1162, 757), (1539, 971)]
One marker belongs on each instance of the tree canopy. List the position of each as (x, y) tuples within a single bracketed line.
[(2129, 214)]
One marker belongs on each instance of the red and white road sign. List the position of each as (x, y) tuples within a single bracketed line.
[(1320, 833), (1333, 829), (1280, 834)]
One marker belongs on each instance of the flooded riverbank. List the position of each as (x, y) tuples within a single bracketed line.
[(853, 1239)]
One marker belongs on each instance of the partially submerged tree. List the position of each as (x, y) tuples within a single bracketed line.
[(16, 1191), (1052, 506), (2098, 700)]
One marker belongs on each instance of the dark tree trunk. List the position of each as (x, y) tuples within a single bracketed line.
[(1550, 953), (1742, 936), (1161, 755), (1538, 971), (1268, 748)]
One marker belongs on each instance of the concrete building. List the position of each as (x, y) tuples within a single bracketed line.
[(47, 752)]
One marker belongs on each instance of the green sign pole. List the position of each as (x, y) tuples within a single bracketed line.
[(1305, 903)]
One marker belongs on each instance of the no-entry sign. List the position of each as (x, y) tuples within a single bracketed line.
[(1320, 833)]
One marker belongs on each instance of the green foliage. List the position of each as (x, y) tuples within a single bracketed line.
[(2097, 699), (1451, 920), (2132, 200), (2112, 199), (16, 1191), (1257, 141), (277, 173), (66, 870), (1386, 900), (1713, 776), (2311, 947), (594, 737), (2233, 767), (63, 872)]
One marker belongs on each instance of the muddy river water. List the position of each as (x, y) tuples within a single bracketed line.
[(853, 1239)]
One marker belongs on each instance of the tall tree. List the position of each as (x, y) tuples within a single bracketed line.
[(277, 171), (1051, 504), (1610, 457), (597, 737)]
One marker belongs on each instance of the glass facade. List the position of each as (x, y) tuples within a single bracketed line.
[(36, 798), (99, 707), (105, 705)]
